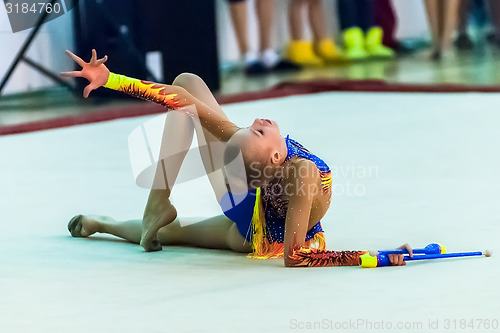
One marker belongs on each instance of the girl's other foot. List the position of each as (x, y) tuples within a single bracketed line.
[(83, 226)]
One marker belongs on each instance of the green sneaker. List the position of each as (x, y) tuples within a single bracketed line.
[(354, 44), (373, 44)]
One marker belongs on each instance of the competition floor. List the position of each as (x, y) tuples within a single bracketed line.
[(416, 168)]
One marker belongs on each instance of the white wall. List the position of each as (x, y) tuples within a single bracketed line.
[(56, 36), (412, 20), (47, 49)]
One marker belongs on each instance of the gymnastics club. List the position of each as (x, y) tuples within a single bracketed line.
[(381, 259), (434, 248)]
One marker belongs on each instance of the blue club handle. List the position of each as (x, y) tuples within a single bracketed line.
[(433, 248)]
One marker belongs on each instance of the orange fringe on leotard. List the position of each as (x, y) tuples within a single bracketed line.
[(261, 247)]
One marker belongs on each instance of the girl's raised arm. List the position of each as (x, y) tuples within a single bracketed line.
[(173, 97)]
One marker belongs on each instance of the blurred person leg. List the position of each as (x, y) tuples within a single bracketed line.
[(265, 15), (268, 56), (300, 50), (373, 33), (354, 42), (433, 9), (463, 40), (442, 16), (450, 20), (494, 10), (239, 12), (385, 17), (324, 44)]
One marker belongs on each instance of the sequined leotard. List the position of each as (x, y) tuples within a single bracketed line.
[(274, 203)]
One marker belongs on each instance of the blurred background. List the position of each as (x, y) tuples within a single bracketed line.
[(239, 47)]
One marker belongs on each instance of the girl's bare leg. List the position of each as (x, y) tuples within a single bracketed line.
[(217, 232), (129, 230), (211, 148), (176, 140)]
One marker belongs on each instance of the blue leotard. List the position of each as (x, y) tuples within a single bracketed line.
[(240, 208)]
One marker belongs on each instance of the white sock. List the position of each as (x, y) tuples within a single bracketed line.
[(269, 58), (251, 57)]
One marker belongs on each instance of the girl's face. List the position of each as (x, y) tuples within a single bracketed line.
[(262, 147), (263, 138)]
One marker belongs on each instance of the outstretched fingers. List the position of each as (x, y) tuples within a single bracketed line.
[(89, 88), (102, 61), (72, 74), (97, 62), (76, 58)]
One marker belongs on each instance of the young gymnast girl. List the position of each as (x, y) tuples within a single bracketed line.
[(272, 190)]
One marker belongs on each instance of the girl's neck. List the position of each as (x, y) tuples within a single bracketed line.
[(283, 151)]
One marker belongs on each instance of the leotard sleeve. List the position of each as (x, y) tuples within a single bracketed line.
[(300, 185), (175, 98), (323, 258)]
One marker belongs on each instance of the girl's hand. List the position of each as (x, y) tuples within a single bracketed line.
[(397, 259), (94, 71)]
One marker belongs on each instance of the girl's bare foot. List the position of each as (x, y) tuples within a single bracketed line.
[(83, 226), (151, 223)]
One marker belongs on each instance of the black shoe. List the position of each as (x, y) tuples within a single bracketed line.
[(493, 39), (255, 68), (285, 66), (463, 42), (437, 55)]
